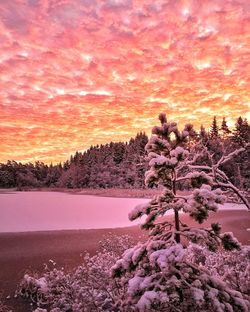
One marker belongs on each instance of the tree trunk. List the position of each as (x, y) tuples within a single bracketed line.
[(177, 226), (176, 213)]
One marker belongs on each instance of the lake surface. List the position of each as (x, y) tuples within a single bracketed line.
[(41, 211)]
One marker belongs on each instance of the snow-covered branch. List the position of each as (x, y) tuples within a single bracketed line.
[(229, 185), (226, 158), (219, 176)]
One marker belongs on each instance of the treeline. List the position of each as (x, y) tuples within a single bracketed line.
[(113, 165), (123, 165)]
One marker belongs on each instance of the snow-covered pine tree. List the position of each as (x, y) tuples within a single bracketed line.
[(158, 274)]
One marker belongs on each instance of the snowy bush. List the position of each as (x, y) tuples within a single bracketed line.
[(89, 287), (161, 274), (233, 267), (4, 308), (86, 288)]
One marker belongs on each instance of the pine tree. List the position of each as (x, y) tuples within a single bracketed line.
[(246, 130), (203, 135), (224, 128), (214, 130), (241, 133), (158, 274)]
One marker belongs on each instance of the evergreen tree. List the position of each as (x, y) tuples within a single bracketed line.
[(118, 152), (241, 133), (203, 135), (214, 130), (214, 142), (224, 128)]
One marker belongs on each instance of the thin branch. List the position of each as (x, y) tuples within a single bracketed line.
[(236, 190), (228, 157), (200, 167)]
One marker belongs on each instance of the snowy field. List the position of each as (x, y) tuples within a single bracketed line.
[(40, 211)]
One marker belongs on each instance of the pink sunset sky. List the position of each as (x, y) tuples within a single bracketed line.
[(76, 73)]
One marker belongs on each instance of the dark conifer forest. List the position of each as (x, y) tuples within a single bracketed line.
[(123, 164)]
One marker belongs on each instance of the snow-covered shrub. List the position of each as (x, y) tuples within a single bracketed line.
[(89, 287), (233, 267), (3, 307), (160, 274), (86, 288)]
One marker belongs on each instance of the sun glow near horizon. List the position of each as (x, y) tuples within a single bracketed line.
[(76, 73)]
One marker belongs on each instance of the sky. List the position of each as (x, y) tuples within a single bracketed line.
[(75, 73)]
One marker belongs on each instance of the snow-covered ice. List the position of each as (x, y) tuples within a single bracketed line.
[(41, 211)]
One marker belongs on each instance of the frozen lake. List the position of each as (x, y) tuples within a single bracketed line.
[(41, 211)]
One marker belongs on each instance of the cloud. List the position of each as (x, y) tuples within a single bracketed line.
[(117, 4), (81, 72)]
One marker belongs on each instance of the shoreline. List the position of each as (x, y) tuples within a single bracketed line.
[(117, 193), (113, 192)]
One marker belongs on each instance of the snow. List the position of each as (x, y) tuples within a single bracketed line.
[(163, 257), (158, 160), (41, 211), (149, 175), (232, 206), (198, 294), (203, 199), (178, 151), (134, 284), (137, 211), (146, 300), (40, 283)]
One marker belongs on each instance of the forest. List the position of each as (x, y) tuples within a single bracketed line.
[(123, 164)]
